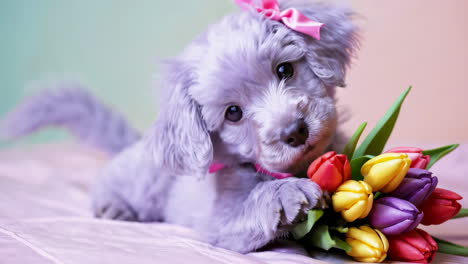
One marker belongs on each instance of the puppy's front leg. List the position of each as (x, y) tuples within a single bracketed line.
[(268, 212), (130, 187)]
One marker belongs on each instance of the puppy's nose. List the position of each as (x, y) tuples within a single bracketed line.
[(295, 134)]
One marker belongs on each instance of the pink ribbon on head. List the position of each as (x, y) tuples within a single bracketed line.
[(290, 17)]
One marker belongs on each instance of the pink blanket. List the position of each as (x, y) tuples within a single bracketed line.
[(45, 216)]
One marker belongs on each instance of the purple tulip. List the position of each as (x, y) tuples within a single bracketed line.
[(416, 187), (394, 216)]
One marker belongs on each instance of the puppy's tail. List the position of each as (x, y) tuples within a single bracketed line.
[(70, 106)]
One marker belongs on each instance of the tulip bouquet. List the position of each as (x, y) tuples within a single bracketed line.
[(379, 199)]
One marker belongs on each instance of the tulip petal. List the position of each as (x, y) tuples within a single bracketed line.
[(389, 214), (345, 167), (379, 159), (337, 160), (355, 212), (353, 199), (420, 240), (313, 167), (394, 216), (398, 203), (345, 200), (359, 249), (328, 176), (446, 194), (367, 235), (386, 171), (384, 240), (416, 187), (408, 185), (367, 244), (418, 160), (402, 250), (382, 216), (441, 206), (421, 162), (353, 186), (416, 222), (440, 214), (399, 175), (413, 246), (414, 156), (422, 193), (431, 242), (371, 260), (405, 150), (370, 201), (401, 227)]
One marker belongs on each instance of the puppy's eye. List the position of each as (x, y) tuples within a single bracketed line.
[(285, 70), (233, 113)]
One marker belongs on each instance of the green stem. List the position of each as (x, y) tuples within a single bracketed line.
[(451, 248), (463, 213), (377, 195)]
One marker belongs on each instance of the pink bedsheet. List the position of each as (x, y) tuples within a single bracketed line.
[(45, 216)]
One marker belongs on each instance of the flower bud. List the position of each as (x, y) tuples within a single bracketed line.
[(418, 159), (386, 171), (414, 246), (394, 216), (441, 206), (353, 199), (330, 170), (416, 187), (367, 244)]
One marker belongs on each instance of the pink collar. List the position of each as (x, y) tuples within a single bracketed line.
[(278, 175)]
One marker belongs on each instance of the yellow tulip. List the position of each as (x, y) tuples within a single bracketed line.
[(386, 171), (367, 244), (353, 199)]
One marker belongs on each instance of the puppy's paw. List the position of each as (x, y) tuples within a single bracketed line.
[(113, 207), (269, 212), (296, 197)]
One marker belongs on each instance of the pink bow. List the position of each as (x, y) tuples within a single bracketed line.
[(290, 17)]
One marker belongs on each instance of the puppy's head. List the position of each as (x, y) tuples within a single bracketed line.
[(251, 90)]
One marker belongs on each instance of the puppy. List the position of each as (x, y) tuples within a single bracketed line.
[(250, 94)]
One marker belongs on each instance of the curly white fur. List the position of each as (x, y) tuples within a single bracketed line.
[(163, 176)]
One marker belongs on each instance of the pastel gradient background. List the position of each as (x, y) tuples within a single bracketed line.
[(113, 47)]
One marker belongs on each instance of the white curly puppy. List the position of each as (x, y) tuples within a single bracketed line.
[(250, 93)]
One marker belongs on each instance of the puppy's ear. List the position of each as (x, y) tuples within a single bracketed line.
[(330, 56), (180, 140)]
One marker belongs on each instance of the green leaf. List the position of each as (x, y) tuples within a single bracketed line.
[(303, 228), (438, 153), (450, 248), (375, 142), (320, 237), (356, 165), (340, 229), (351, 145), (463, 213), (341, 244)]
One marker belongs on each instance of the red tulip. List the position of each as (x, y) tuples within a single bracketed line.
[(414, 246), (418, 160), (441, 206), (330, 170)]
